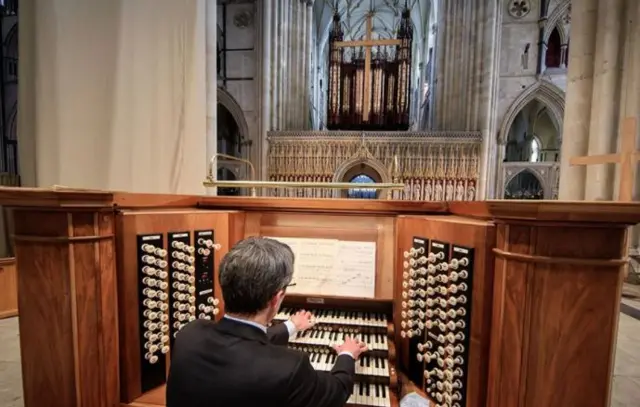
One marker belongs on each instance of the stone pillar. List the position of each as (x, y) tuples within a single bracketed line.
[(605, 98), (304, 65), (276, 47), (462, 104), (630, 98), (575, 131), (308, 72), (600, 93), (265, 109), (211, 9), (284, 62), (563, 56)]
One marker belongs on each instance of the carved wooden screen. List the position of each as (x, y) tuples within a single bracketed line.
[(388, 84)]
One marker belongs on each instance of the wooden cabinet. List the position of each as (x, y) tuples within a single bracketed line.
[(8, 288)]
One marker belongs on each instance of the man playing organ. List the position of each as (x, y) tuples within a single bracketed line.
[(240, 360)]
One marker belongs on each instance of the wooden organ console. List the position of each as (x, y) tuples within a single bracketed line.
[(477, 304)]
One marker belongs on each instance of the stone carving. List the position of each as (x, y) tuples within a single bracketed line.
[(417, 189), (547, 173), (427, 190), (460, 191), (471, 191), (566, 19), (425, 162), (243, 19), (519, 8), (449, 191), (438, 195)]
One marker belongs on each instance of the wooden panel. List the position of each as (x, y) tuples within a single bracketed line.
[(476, 234), (68, 308), (556, 304), (8, 288), (134, 223), (379, 229)]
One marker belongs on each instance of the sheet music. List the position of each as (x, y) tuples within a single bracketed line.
[(333, 267)]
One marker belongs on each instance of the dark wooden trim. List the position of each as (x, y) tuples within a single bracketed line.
[(531, 258), (59, 239)]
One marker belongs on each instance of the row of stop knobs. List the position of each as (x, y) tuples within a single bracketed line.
[(443, 382), (184, 308), (156, 326)]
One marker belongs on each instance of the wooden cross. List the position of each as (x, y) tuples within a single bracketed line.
[(627, 158), (367, 43)]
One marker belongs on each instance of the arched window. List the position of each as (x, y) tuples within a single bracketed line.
[(554, 53), (362, 193), (534, 155)]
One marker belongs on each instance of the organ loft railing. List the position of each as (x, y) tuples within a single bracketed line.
[(211, 182)]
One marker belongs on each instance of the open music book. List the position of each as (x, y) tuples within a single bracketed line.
[(333, 267)]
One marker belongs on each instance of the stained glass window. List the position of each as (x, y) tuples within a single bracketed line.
[(362, 193)]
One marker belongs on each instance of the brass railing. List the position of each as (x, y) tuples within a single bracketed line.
[(211, 182)]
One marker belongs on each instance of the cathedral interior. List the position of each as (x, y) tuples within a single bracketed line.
[(397, 106), (454, 100)]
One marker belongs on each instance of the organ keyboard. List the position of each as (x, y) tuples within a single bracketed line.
[(376, 379), (469, 301)]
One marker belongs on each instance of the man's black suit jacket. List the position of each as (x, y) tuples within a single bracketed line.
[(232, 364)]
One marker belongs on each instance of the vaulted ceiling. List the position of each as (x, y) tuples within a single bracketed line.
[(386, 17)]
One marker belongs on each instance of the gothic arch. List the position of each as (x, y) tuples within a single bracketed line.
[(554, 21), (370, 162), (226, 100), (547, 192), (11, 40), (532, 171), (544, 91)]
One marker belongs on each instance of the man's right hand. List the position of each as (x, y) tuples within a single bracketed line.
[(353, 346)]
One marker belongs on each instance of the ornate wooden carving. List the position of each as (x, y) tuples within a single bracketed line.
[(370, 90)]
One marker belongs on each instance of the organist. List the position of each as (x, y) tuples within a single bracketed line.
[(239, 361)]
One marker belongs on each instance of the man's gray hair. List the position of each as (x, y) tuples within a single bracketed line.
[(252, 272)]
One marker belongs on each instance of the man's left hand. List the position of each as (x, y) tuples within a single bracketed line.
[(302, 320)]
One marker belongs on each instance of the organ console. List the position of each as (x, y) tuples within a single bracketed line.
[(477, 304)]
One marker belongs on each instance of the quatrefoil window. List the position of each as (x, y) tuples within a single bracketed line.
[(519, 8)]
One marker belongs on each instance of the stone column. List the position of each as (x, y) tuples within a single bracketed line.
[(600, 73), (265, 111), (605, 99), (284, 62), (563, 56), (630, 98), (276, 47), (460, 103), (295, 64), (575, 131), (308, 56), (304, 64), (211, 39)]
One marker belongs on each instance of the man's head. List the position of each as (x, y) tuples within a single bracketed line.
[(254, 275)]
